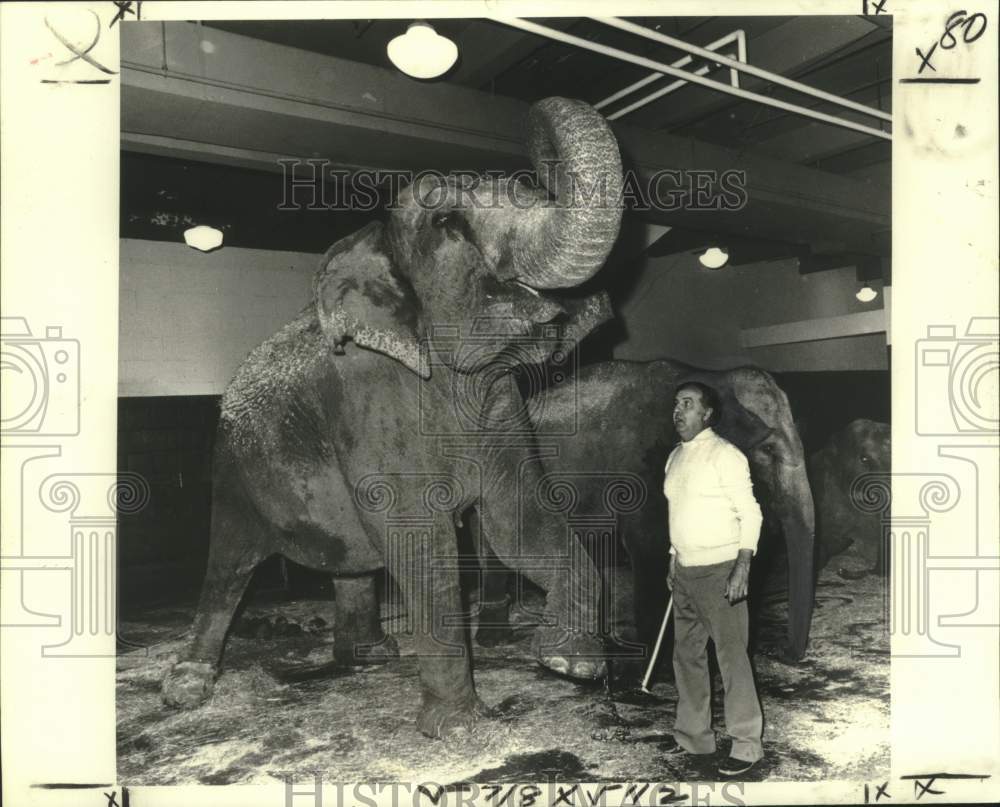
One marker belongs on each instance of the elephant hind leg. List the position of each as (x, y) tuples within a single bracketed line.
[(238, 540), (357, 630)]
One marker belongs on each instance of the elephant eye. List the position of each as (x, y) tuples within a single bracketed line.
[(443, 219), (454, 224), (865, 459)]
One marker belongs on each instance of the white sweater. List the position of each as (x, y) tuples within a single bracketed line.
[(712, 510)]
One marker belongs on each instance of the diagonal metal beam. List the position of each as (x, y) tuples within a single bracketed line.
[(694, 78), (788, 49), (700, 31), (744, 67), (863, 79)]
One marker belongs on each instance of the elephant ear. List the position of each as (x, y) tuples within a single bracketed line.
[(360, 296)]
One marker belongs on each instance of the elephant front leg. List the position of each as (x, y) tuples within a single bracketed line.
[(234, 553), (430, 586), (191, 680), (358, 637), (540, 545)]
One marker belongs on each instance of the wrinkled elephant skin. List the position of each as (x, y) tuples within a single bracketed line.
[(861, 450), (618, 418), (355, 438)]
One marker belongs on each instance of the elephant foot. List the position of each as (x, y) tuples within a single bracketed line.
[(380, 652), (450, 720), (852, 574), (572, 653), (188, 683), (607, 734)]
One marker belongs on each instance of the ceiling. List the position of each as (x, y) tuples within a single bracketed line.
[(847, 56), (201, 133)]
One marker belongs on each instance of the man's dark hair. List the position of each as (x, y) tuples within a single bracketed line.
[(709, 399)]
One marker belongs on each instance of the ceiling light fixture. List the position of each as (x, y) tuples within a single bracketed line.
[(866, 294), (203, 237), (421, 52), (714, 258)]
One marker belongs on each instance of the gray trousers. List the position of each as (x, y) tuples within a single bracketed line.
[(701, 611)]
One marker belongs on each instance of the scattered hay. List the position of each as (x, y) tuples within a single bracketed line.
[(826, 718)]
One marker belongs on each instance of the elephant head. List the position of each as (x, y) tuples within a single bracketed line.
[(757, 419), (861, 447), (476, 259)]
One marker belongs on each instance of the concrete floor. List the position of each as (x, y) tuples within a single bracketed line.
[(277, 711)]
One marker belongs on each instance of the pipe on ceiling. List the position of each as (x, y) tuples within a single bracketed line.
[(734, 64), (738, 36), (641, 61)]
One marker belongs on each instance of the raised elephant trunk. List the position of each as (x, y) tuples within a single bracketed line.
[(575, 154)]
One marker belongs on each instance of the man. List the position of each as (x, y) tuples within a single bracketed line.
[(714, 527)]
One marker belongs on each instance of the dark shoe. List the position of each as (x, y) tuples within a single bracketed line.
[(671, 747), (735, 767)]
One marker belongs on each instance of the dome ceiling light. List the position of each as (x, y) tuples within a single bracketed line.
[(866, 294), (714, 258), (422, 52), (203, 237)]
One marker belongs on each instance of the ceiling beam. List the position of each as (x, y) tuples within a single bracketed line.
[(865, 81), (784, 202), (856, 324), (848, 161), (772, 134), (250, 98), (702, 34), (810, 140), (788, 49)]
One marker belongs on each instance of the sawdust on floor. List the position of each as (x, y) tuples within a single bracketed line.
[(277, 712)]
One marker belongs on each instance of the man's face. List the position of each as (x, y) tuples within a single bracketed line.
[(690, 414)]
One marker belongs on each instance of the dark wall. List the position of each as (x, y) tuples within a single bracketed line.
[(161, 197), (163, 548), (825, 402)]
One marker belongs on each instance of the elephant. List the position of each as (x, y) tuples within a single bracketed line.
[(611, 425), (356, 437), (861, 447)]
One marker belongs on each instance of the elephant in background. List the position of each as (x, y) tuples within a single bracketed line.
[(356, 437), (861, 447), (613, 421)]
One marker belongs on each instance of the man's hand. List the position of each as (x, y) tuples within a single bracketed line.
[(672, 572), (739, 578)]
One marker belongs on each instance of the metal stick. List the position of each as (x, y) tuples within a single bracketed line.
[(656, 650)]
